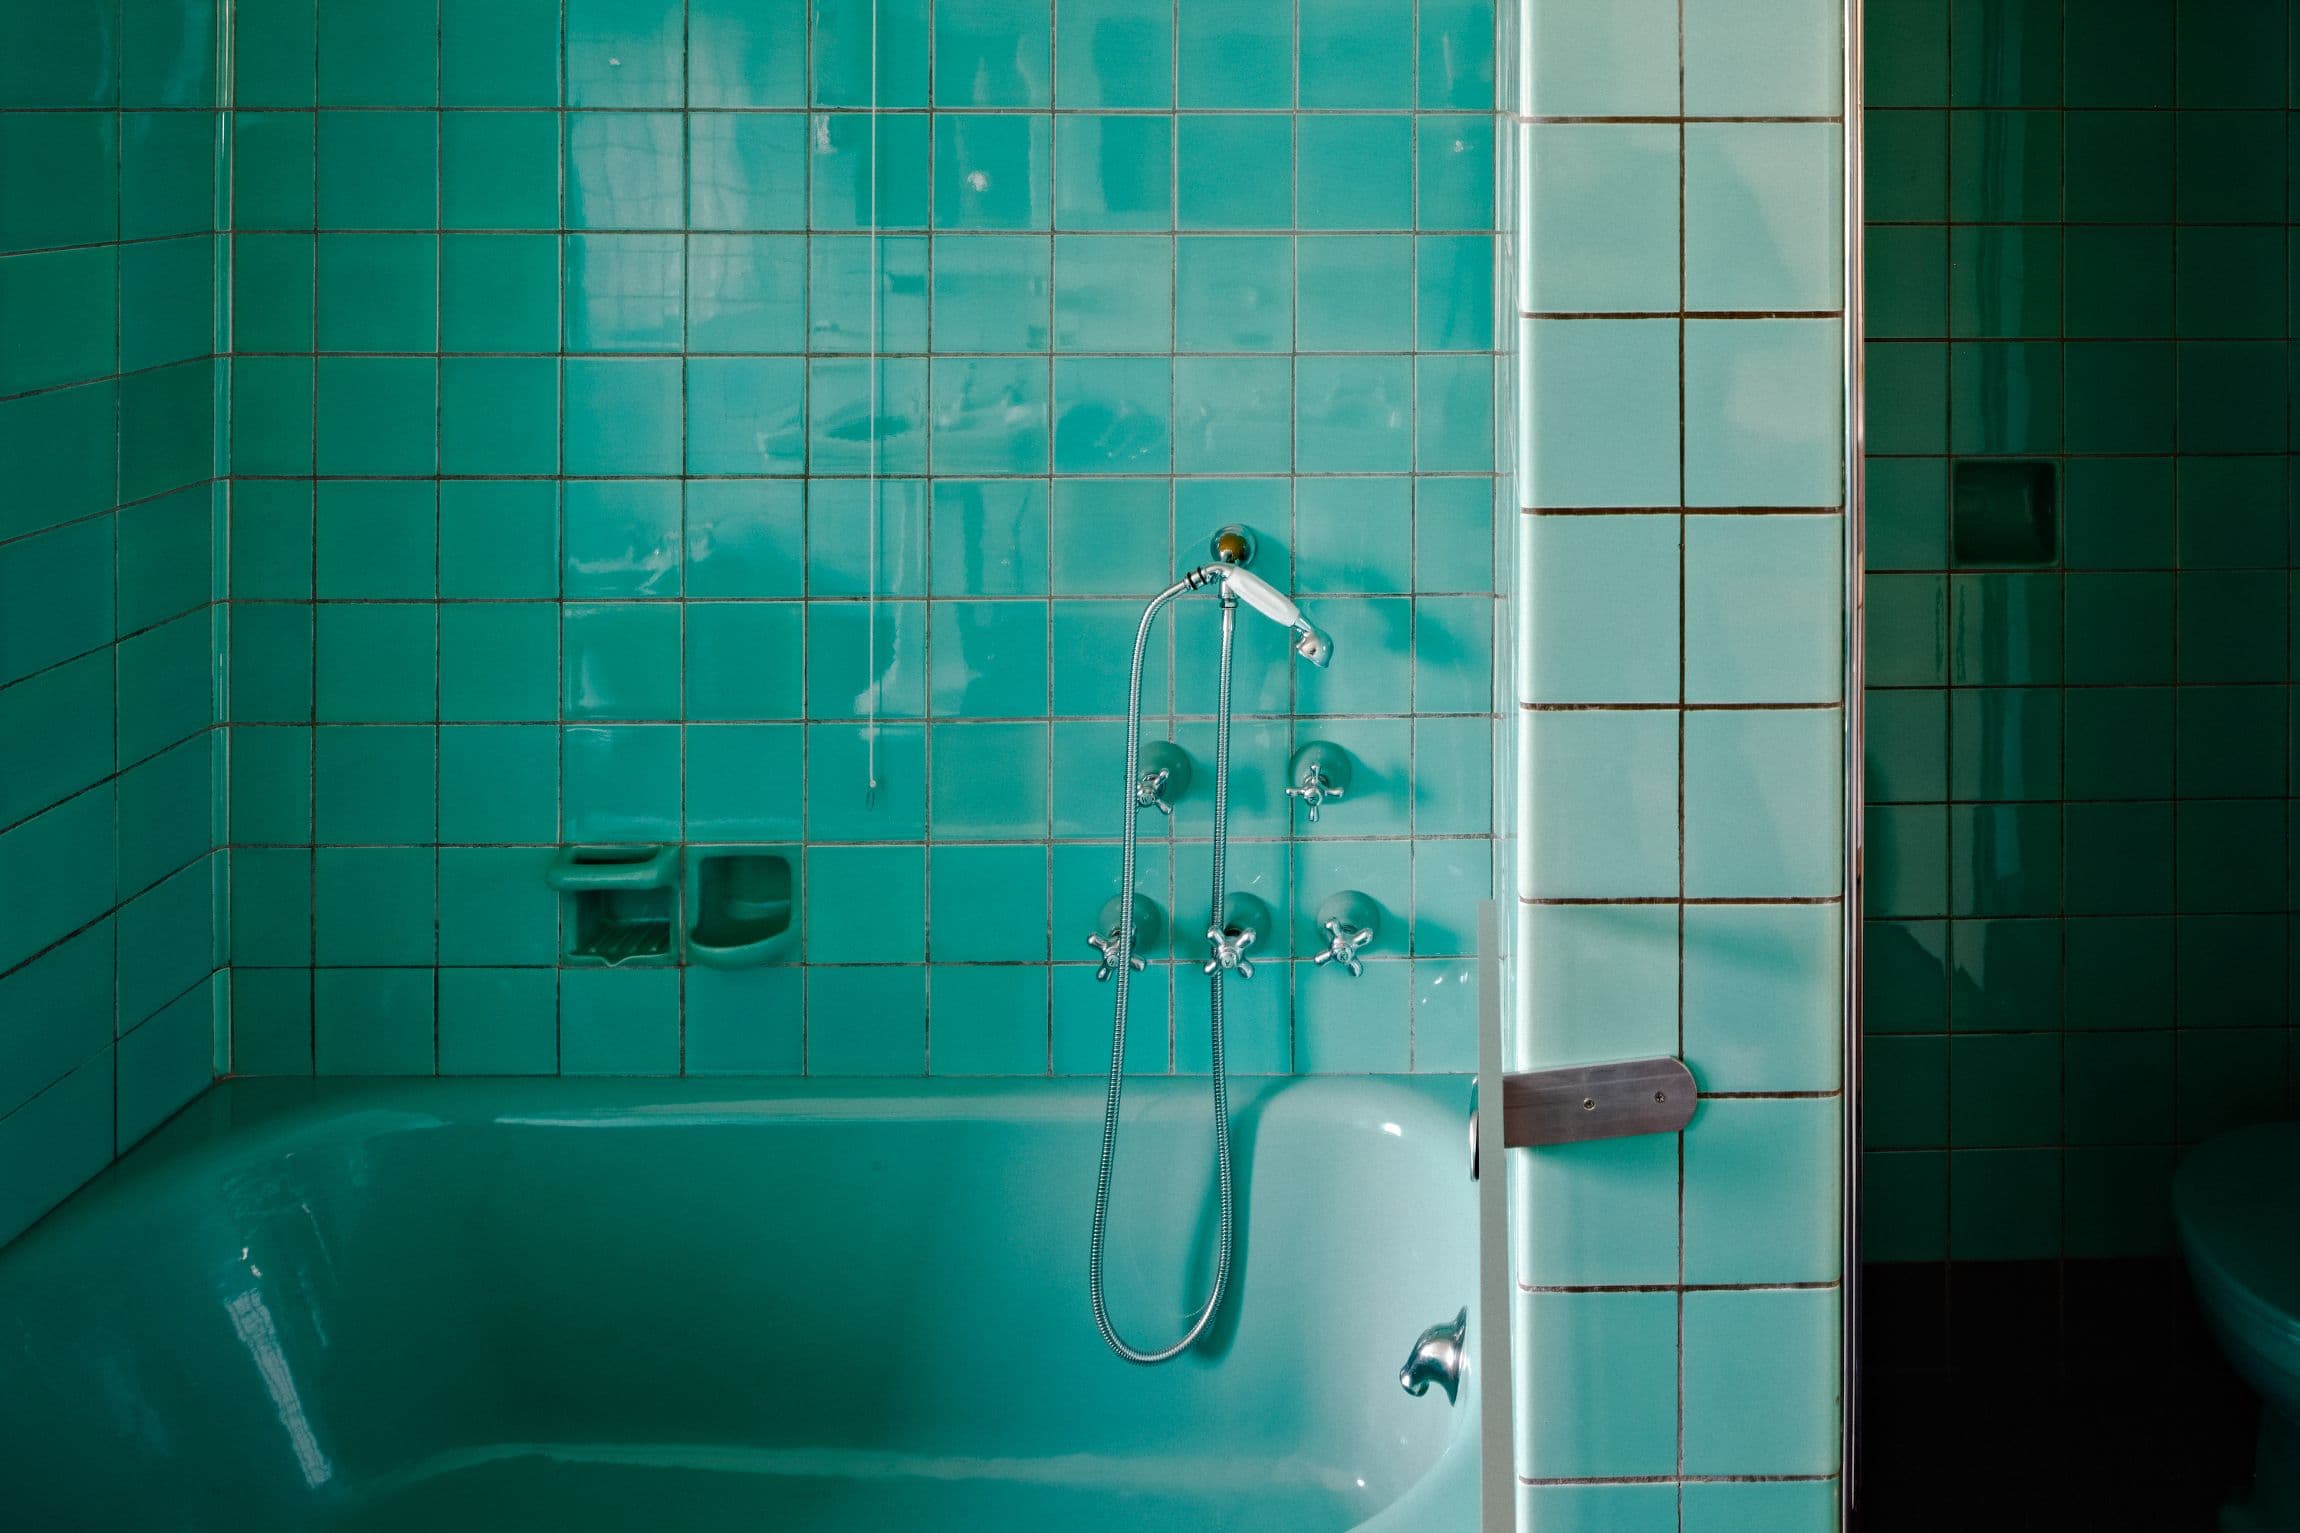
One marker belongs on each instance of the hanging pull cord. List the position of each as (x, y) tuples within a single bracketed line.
[(1121, 971)]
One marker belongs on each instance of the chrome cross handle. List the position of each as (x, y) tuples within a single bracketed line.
[(1230, 944), (1150, 792), (1314, 789), (1107, 944), (1343, 945), (1165, 769)]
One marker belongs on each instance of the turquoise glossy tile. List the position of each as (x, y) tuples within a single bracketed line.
[(2005, 744), (1454, 161), (745, 538), (2122, 55), (1353, 415), (843, 32), (1354, 536), (378, 170), (619, 783), (167, 302), (982, 904), (625, 170), (2119, 859), (843, 272), (839, 538), (1230, 57), (847, 672), (1756, 1173), (2119, 742), (2004, 1204), (1762, 989), (990, 415), (1603, 609), (2005, 1090), (743, 53), (498, 1022), (1600, 58), (2232, 396), (2119, 282), (271, 664), (1762, 224), (2004, 283), (1905, 174), (274, 43), (847, 185), (746, 170), (621, 661), (498, 662), (1232, 415), (745, 782), (1762, 399), (993, 171), (1908, 397), (1356, 171), (2120, 165), (745, 1022), (2004, 859), (625, 53), (625, 292), (1234, 172), (59, 308), (1234, 293), (1764, 609), (494, 906), (496, 540), (1617, 1353), (165, 550), (1454, 299), (1453, 415), (168, 429), (499, 53), (163, 1064), (1780, 1346), (272, 291), (1906, 1098), (1457, 54), (987, 1020), (1606, 812), (2005, 53), (743, 415), (1906, 514), (373, 1022), (1357, 53), (375, 540), (59, 441), (500, 171), (1762, 815), (1610, 434), (866, 1020), (843, 760), (166, 688), (55, 597), (2241, 510), (167, 944), (1456, 791), (60, 871), (1115, 53), (2005, 397), (1113, 293), (1109, 539), (622, 538), (1607, 238), (1907, 49), (1905, 1206), (1599, 1213), (378, 53), (498, 415), (63, 55), (56, 735), (271, 913), (1781, 58), (1114, 172), (72, 986), (377, 415), (2229, 625), (2231, 167), (498, 784), (2231, 282), (991, 292), (619, 1022), (993, 53), (865, 904), (743, 660), (1598, 1507), (371, 785), (622, 415), (374, 906), (1364, 1027), (989, 781), (2008, 166), (746, 292), (2232, 741), (2007, 629), (1111, 415), (989, 538), (66, 179), (271, 1022), (499, 292), (1445, 1017), (1605, 981), (846, 399)]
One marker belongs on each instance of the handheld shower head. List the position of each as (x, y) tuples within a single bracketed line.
[(1310, 641)]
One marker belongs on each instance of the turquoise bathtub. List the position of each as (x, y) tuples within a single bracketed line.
[(688, 1305)]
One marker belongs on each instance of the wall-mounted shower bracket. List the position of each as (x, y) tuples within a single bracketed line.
[(1608, 1101), (1233, 544)]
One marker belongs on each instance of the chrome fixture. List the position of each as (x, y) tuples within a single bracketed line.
[(1244, 920), (1232, 547), (1439, 1356), (1165, 777), (1350, 922), (1319, 771), (1573, 1103), (1149, 925)]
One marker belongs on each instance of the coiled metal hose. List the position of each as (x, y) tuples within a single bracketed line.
[(1122, 968)]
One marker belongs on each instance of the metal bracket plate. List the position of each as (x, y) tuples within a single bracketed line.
[(1609, 1101)]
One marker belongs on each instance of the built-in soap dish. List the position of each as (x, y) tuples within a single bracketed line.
[(2004, 512), (621, 902), (746, 905)]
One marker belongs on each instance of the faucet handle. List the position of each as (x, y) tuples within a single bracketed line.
[(1107, 944), (1126, 924), (1313, 790), (1343, 945), (1230, 944), (1321, 772), (1165, 769)]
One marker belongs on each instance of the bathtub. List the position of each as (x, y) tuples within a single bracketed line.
[(690, 1305)]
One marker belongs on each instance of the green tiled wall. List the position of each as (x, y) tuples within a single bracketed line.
[(109, 877), (1680, 680), (2078, 936), (552, 437)]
